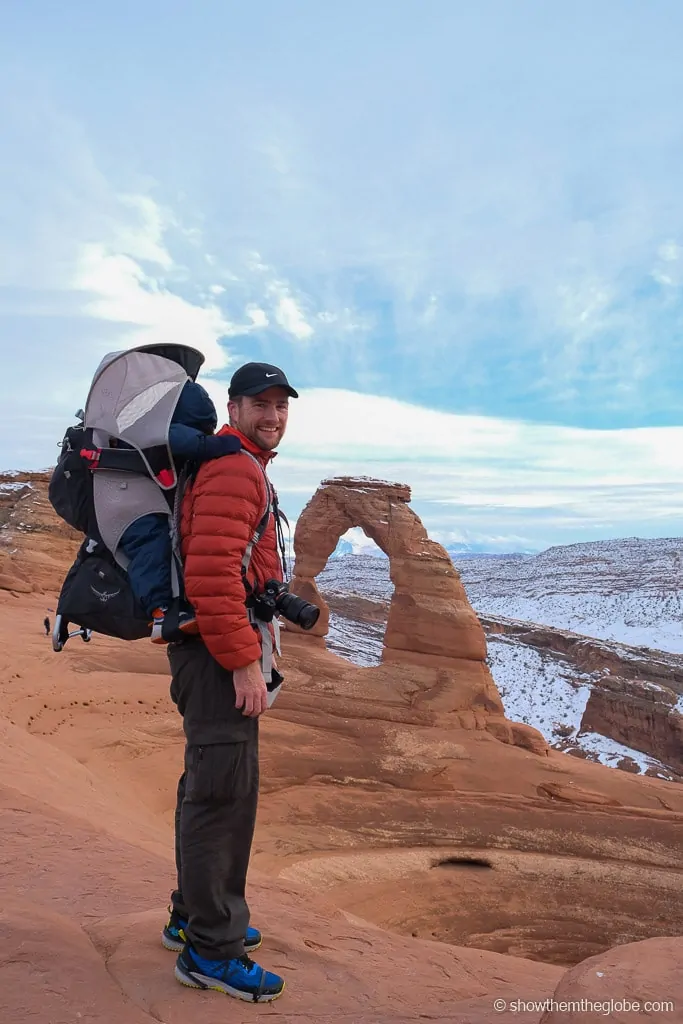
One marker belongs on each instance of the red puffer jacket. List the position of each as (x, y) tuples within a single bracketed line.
[(220, 513)]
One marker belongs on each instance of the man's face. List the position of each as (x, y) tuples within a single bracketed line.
[(262, 418)]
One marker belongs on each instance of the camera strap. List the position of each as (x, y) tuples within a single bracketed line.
[(270, 642)]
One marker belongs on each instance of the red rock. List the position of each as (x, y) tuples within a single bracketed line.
[(632, 700), (372, 780), (634, 982), (431, 624), (638, 714)]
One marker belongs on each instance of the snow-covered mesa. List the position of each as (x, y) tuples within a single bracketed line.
[(627, 590)]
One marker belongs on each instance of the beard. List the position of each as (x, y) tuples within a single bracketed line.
[(266, 439)]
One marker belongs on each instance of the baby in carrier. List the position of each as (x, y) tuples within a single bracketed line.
[(147, 541)]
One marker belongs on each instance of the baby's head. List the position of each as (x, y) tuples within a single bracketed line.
[(202, 411)]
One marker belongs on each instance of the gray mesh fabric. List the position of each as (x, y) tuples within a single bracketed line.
[(132, 398), (120, 499)]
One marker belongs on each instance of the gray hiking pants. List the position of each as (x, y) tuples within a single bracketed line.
[(216, 806)]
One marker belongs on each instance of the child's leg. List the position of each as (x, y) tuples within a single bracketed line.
[(147, 543)]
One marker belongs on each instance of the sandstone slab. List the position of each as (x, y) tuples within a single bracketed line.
[(638, 981)]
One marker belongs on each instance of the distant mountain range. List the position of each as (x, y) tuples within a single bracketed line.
[(356, 543)]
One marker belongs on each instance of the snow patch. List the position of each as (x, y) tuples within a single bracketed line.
[(10, 487), (538, 688), (358, 576), (609, 752), (361, 643)]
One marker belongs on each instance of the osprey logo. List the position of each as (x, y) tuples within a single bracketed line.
[(104, 595)]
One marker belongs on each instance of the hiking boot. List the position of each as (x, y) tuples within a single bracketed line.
[(239, 977), (173, 936), (158, 616), (187, 623)]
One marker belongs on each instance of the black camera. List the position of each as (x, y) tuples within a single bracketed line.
[(275, 599)]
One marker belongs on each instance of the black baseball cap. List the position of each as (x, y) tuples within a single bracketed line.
[(253, 378)]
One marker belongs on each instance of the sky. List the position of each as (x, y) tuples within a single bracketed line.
[(458, 228)]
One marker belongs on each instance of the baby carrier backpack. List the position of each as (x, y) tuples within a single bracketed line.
[(115, 466)]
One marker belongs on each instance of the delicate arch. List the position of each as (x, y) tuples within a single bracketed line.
[(429, 611), (433, 636)]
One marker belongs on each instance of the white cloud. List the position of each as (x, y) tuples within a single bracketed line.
[(670, 251), (287, 313), (518, 228), (360, 542), (503, 543), (504, 241), (142, 237), (85, 268), (504, 475), (257, 316), (121, 292), (285, 310), (476, 477), (290, 317)]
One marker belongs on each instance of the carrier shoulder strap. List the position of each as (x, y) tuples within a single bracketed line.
[(187, 478), (261, 527)]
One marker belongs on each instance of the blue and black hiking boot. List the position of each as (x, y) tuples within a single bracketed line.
[(240, 977), (174, 938)]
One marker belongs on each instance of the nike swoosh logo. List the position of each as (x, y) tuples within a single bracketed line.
[(271, 375)]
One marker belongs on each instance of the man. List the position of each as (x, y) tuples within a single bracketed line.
[(219, 689)]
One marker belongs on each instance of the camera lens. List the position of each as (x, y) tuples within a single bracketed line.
[(298, 611)]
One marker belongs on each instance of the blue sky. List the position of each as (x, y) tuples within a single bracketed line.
[(460, 225)]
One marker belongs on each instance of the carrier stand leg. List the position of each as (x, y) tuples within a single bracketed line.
[(58, 642)]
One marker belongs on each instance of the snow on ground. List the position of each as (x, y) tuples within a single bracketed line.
[(359, 642), (536, 687), (638, 618), (609, 752), (10, 486), (545, 691), (357, 575), (628, 590)]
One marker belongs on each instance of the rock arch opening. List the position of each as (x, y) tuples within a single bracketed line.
[(356, 585), (428, 611)]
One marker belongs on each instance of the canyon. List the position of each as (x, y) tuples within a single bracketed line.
[(419, 852), (593, 697)]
